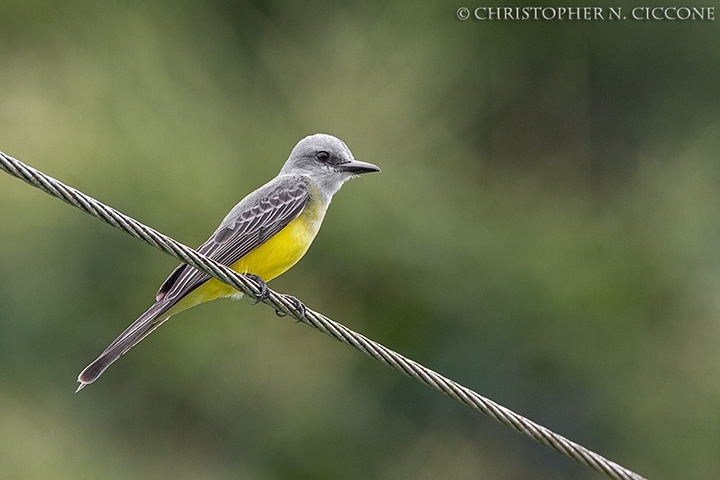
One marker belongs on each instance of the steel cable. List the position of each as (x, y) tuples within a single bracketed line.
[(286, 304)]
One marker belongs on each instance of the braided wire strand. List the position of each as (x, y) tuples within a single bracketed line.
[(287, 305)]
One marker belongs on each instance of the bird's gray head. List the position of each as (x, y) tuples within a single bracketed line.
[(326, 160)]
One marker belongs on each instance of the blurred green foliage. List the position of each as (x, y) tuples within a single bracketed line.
[(545, 231)]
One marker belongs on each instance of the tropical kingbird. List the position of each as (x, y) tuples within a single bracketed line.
[(263, 236)]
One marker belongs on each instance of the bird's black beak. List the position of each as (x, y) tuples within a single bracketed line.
[(356, 167)]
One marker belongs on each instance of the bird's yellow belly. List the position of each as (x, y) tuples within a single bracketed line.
[(279, 253), (269, 260)]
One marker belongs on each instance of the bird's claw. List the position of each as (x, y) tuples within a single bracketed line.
[(264, 291), (297, 305)]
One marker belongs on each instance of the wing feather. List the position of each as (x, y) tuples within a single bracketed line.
[(247, 227)]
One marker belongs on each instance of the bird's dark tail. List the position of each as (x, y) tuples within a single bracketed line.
[(140, 328)]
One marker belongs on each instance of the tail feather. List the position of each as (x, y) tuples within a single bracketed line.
[(140, 328)]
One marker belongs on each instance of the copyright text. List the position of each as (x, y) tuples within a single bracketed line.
[(586, 13)]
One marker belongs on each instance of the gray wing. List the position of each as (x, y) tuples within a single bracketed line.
[(252, 222)]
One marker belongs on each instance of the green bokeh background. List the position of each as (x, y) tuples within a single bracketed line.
[(545, 231)]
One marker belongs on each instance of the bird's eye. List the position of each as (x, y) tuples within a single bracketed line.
[(322, 156)]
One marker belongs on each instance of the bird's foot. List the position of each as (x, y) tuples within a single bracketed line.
[(264, 291), (299, 307)]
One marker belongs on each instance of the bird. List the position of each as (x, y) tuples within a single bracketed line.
[(263, 236)]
